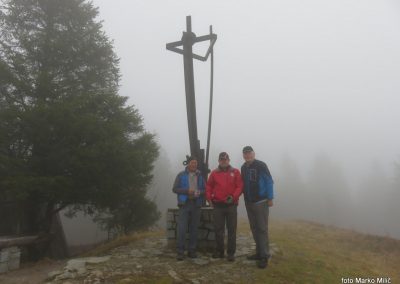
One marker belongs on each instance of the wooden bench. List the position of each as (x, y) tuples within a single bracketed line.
[(11, 241)]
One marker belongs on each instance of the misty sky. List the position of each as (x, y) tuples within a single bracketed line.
[(291, 77)]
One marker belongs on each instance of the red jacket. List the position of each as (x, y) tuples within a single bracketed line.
[(222, 183)]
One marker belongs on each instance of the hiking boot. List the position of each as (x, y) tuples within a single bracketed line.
[(218, 255), (192, 254), (253, 257), (180, 256), (262, 263), (230, 257)]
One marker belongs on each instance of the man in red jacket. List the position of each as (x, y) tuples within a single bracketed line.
[(224, 186)]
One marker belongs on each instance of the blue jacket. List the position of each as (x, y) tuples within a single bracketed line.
[(181, 187), (257, 180)]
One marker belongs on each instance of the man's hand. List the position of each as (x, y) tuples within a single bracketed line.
[(210, 203), (270, 203), (191, 192), (229, 199)]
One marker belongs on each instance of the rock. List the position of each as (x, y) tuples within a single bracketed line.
[(200, 261), (95, 260), (76, 265), (156, 252), (243, 251), (125, 280), (174, 275), (66, 275), (137, 253), (97, 273), (53, 274), (153, 258), (163, 242), (229, 281), (248, 262), (122, 256)]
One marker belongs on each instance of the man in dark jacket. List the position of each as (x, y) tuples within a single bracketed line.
[(258, 195), (224, 186), (189, 186)]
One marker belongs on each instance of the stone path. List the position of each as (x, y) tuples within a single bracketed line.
[(152, 260)]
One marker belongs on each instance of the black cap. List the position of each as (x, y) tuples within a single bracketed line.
[(191, 158), (247, 149), (223, 156), (188, 159)]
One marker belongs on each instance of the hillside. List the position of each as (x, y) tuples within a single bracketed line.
[(303, 253)]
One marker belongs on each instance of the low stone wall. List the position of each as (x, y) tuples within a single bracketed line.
[(206, 233), (9, 259)]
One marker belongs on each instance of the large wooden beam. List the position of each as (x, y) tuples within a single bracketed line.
[(10, 241)]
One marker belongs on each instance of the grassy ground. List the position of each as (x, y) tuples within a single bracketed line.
[(312, 253), (308, 253)]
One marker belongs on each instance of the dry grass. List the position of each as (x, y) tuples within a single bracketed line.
[(313, 253)]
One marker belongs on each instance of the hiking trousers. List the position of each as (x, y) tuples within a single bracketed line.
[(225, 215), (258, 214), (189, 216)]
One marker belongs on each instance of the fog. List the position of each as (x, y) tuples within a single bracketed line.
[(311, 85)]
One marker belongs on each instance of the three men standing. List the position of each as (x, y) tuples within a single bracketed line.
[(224, 187)]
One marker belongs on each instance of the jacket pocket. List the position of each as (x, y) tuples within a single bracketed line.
[(182, 198)]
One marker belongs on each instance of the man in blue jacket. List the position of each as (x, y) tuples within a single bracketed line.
[(258, 195), (189, 186)]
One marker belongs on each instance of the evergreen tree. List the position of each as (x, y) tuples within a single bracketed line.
[(66, 136)]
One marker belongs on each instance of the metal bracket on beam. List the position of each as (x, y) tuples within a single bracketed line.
[(173, 46)]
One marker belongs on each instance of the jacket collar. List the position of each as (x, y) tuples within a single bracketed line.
[(197, 172), (250, 164), (229, 168)]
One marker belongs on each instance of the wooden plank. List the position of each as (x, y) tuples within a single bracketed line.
[(9, 241)]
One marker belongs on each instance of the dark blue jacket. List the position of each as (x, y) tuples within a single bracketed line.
[(181, 187), (257, 180)]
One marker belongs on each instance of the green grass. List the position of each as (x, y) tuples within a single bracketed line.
[(148, 279), (312, 253)]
